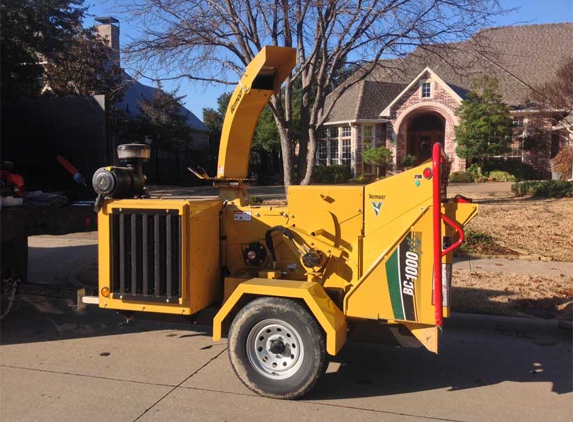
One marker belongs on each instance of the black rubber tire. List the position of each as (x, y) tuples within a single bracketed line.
[(314, 361)]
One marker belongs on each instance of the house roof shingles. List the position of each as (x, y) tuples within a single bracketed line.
[(346, 105), (520, 57), (375, 94)]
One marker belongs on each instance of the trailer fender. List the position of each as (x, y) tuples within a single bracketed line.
[(328, 315)]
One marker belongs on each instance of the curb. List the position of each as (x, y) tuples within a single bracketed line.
[(533, 257)]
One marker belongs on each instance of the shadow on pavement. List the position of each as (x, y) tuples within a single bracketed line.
[(41, 318), (66, 266), (468, 358)]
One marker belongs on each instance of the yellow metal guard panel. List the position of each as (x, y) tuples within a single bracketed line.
[(331, 217), (324, 310), (200, 284)]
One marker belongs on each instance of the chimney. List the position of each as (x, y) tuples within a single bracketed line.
[(108, 29)]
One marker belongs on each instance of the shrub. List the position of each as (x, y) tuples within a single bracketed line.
[(521, 171), (544, 188), (331, 174), (361, 180), (563, 162), (476, 241), (408, 161), (381, 157), (501, 176), (461, 177), (475, 171)]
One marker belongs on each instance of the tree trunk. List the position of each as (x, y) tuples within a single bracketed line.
[(303, 150), (286, 152), (310, 156)]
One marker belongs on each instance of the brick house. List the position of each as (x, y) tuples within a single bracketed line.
[(408, 104)]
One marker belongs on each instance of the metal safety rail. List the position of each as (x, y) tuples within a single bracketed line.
[(439, 160)]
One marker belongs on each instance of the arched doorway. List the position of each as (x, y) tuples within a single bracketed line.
[(423, 131)]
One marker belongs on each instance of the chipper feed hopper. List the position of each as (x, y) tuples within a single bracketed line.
[(293, 283)]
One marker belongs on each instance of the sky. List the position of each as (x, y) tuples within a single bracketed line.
[(199, 96)]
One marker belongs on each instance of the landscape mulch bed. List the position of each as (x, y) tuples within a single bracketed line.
[(494, 249), (526, 225)]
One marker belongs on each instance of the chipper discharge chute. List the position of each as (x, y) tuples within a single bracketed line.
[(293, 282)]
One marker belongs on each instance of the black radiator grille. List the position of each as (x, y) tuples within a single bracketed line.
[(146, 255)]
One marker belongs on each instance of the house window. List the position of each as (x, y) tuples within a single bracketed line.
[(347, 152), (321, 153), (333, 152), (426, 90), (335, 146), (518, 121), (368, 135), (368, 141), (516, 150)]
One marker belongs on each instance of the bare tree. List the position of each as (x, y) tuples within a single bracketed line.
[(213, 40), (556, 96)]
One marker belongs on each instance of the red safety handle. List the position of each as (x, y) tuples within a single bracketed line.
[(439, 159), (458, 229)]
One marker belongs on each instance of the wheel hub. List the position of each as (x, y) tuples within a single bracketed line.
[(275, 349)]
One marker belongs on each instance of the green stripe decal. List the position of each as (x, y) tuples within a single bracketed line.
[(394, 285)]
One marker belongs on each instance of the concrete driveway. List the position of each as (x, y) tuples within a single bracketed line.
[(56, 365)]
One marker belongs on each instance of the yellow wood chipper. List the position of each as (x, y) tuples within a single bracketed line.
[(293, 282)]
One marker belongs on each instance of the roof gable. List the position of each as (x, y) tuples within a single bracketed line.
[(423, 73), (520, 57), (347, 102)]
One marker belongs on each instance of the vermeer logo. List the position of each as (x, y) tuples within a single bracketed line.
[(374, 196), (376, 206), (415, 243)]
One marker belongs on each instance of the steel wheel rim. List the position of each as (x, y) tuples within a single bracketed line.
[(275, 349)]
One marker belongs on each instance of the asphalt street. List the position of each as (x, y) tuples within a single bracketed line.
[(57, 365)]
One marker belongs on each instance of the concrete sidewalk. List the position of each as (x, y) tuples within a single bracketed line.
[(469, 188), (516, 266)]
